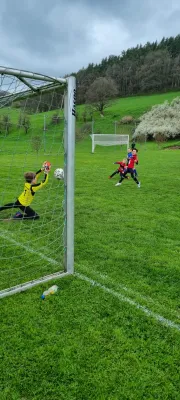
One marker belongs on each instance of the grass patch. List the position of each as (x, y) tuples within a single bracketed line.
[(85, 342), (102, 336)]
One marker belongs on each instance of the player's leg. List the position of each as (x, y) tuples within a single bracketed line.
[(134, 178), (29, 213), (7, 206), (122, 177), (114, 173)]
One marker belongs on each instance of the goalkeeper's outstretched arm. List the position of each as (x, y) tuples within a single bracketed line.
[(46, 169), (36, 186)]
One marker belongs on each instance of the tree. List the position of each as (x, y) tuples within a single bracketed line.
[(101, 91), (151, 68), (5, 124), (161, 123), (36, 143), (155, 72), (24, 122)]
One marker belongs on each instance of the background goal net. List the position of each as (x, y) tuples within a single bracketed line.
[(37, 124), (102, 139)]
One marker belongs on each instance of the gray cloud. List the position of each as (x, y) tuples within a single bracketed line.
[(54, 37)]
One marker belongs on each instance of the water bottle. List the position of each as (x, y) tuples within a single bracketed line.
[(53, 289)]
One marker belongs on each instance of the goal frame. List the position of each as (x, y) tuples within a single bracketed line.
[(69, 86), (117, 140)]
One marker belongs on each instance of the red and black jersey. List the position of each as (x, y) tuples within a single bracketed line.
[(122, 166), (132, 161), (135, 157)]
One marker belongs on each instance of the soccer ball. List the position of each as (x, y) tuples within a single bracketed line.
[(59, 173)]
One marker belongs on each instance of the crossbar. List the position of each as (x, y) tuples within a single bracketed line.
[(31, 75)]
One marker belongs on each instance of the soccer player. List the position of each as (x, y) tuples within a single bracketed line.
[(121, 169), (134, 154), (129, 154), (26, 197), (130, 169), (133, 145)]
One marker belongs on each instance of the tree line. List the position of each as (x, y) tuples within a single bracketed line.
[(148, 69), (152, 68)]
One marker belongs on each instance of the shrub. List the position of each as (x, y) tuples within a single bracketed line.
[(128, 119), (5, 124), (56, 119), (87, 114), (36, 143), (83, 131), (160, 138), (16, 104), (161, 123), (24, 122)]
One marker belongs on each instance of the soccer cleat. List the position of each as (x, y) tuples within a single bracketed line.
[(109, 177), (118, 184), (18, 215), (139, 185)]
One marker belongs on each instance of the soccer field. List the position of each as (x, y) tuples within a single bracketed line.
[(113, 329)]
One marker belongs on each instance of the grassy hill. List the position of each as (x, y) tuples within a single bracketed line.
[(134, 106)]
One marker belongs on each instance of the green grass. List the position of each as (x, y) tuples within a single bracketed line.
[(134, 106), (137, 105), (86, 342), (112, 331)]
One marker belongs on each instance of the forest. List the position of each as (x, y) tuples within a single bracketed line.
[(148, 69)]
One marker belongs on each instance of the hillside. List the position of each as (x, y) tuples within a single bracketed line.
[(134, 106)]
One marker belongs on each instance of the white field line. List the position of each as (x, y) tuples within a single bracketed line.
[(159, 318), (107, 279), (125, 299)]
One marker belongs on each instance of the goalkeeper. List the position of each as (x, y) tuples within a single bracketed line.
[(26, 197)]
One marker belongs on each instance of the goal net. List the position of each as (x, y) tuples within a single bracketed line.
[(102, 139), (37, 124)]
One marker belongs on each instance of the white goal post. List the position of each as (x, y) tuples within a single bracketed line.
[(19, 87), (102, 139)]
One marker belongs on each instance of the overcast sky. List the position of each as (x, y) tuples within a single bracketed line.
[(58, 37)]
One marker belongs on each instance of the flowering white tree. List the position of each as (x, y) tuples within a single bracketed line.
[(162, 121)]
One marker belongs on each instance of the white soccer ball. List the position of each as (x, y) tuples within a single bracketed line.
[(59, 173)]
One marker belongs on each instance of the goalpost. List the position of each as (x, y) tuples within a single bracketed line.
[(102, 139), (36, 251)]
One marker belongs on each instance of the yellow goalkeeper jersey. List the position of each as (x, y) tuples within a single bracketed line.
[(26, 197)]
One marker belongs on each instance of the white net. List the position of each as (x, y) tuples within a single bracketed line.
[(31, 132), (101, 139)]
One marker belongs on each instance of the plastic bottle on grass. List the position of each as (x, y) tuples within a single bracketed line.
[(53, 289)]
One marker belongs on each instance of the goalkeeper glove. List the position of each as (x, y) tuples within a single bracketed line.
[(46, 166)]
